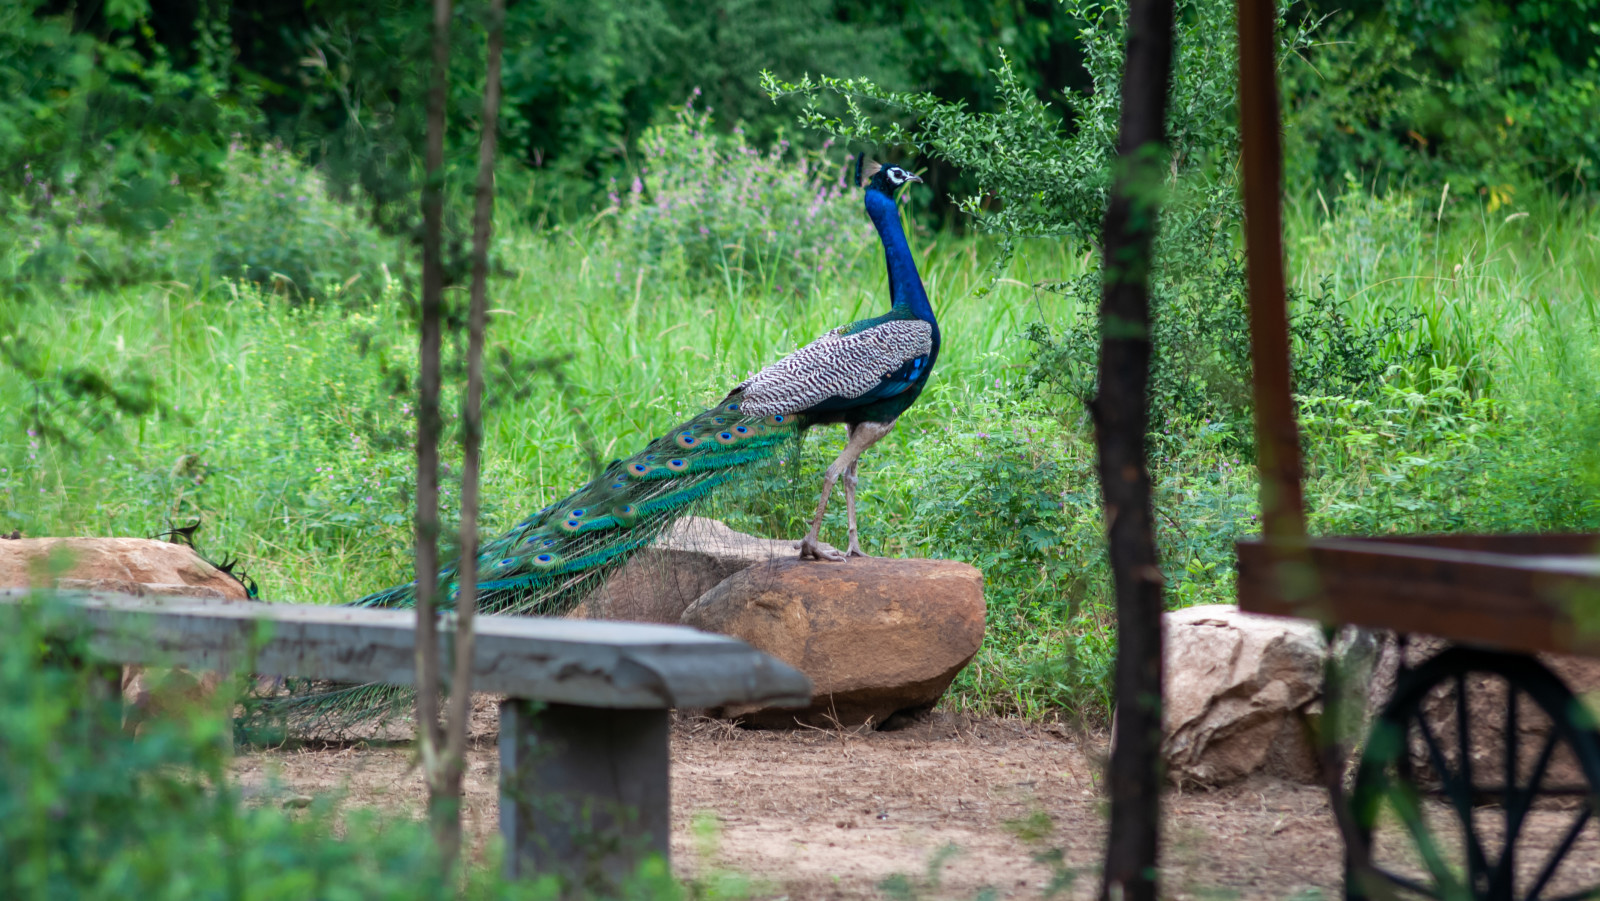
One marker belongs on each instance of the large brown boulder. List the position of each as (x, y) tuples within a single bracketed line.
[(660, 581), (1239, 689), (877, 637), (129, 565)]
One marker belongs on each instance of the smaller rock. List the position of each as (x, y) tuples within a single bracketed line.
[(879, 638), (659, 582), (1239, 688), (130, 565)]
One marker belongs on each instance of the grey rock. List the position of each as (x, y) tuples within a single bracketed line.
[(1240, 689)]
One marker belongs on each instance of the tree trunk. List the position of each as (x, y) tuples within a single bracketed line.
[(1121, 421), (442, 808), (453, 763)]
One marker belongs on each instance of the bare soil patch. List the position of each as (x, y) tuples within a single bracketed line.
[(821, 814)]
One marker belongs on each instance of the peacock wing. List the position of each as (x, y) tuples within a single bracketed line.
[(840, 365)]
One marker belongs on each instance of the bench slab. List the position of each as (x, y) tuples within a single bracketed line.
[(581, 662)]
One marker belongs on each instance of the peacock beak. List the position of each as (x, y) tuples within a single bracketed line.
[(915, 178)]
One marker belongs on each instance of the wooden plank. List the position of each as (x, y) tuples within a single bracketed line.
[(584, 792), (1454, 589), (591, 663)]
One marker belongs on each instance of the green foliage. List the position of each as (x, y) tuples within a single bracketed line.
[(1485, 94), (720, 211), (1051, 180), (113, 124), (270, 222)]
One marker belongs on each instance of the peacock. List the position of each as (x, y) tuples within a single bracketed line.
[(863, 375)]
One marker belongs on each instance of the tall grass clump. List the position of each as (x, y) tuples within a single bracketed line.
[(713, 209)]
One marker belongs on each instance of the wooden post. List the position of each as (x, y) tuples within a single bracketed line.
[(584, 791), (1121, 417), (1277, 435)]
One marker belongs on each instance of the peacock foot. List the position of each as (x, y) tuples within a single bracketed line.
[(812, 549)]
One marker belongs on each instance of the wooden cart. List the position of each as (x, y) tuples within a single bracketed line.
[(1517, 739)]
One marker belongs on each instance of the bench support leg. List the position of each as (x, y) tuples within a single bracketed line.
[(583, 790)]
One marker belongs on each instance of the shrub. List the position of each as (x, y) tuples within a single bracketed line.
[(271, 221), (720, 211), (1486, 94)]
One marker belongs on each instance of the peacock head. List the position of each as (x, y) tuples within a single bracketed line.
[(885, 180)]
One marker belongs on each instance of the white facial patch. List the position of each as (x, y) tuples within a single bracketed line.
[(895, 174)]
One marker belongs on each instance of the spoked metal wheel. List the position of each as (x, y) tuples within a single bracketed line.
[(1480, 782)]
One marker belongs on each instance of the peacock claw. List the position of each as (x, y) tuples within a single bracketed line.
[(812, 549)]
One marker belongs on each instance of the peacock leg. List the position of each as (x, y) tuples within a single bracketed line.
[(862, 436), (850, 481)]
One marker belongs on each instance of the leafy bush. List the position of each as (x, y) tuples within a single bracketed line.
[(270, 221), (720, 211), (114, 121), (1487, 94)]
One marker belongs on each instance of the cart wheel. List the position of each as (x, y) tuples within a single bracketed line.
[(1483, 844)]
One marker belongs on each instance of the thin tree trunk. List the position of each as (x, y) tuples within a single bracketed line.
[(460, 706), (442, 808), (1121, 422)]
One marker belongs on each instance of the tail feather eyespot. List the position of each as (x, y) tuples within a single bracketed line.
[(677, 464)]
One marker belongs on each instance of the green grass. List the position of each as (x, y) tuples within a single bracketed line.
[(288, 429)]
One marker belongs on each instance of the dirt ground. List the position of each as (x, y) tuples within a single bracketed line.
[(831, 814)]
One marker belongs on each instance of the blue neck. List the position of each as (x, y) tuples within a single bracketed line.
[(905, 285)]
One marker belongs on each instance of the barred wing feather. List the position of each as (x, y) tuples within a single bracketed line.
[(840, 364)]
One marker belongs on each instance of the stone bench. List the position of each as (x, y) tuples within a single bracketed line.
[(584, 783)]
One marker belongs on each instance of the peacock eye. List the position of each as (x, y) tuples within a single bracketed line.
[(543, 558), (742, 429), (778, 417), (577, 513)]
